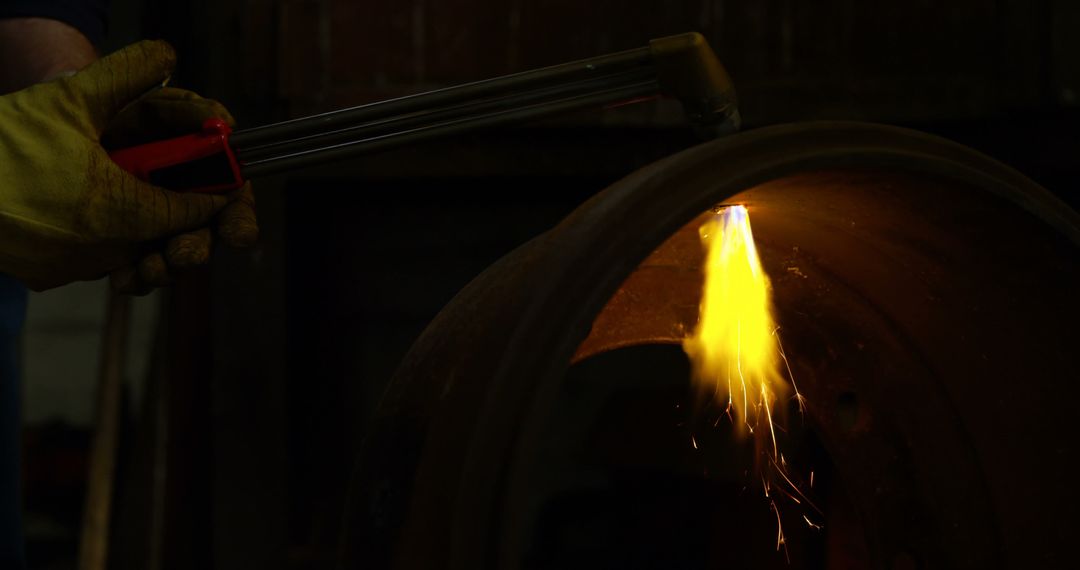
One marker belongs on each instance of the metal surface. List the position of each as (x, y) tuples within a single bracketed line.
[(926, 282)]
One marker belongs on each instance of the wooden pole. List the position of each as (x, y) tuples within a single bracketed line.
[(94, 540)]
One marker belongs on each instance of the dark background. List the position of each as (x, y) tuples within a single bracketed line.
[(279, 355)]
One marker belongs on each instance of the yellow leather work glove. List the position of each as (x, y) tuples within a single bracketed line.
[(67, 212)]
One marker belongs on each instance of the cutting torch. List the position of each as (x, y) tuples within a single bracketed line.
[(218, 159)]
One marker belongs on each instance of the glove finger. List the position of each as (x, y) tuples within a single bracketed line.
[(126, 280), (167, 93), (173, 105), (164, 113), (139, 211), (115, 80), (188, 250), (236, 223), (153, 270)]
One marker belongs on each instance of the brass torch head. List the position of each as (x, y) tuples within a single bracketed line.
[(689, 70)]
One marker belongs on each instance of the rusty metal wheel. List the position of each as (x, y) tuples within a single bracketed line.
[(926, 293)]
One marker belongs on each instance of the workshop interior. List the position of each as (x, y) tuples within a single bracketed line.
[(619, 284)]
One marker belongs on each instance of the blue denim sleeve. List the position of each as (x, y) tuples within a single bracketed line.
[(12, 313)]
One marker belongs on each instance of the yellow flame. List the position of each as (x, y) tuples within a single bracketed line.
[(734, 350)]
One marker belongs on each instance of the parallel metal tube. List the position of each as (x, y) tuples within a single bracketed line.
[(344, 150), (386, 125), (622, 61)]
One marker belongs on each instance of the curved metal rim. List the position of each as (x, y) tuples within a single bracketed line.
[(673, 191)]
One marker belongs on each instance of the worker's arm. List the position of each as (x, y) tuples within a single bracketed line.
[(67, 212), (31, 49), (36, 49)]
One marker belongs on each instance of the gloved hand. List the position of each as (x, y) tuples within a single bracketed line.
[(67, 212), (165, 113)]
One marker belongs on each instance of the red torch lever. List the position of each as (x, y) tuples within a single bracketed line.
[(199, 162)]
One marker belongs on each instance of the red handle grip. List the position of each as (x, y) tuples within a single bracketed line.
[(199, 162)]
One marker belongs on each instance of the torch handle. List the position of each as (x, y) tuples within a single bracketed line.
[(199, 162)]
